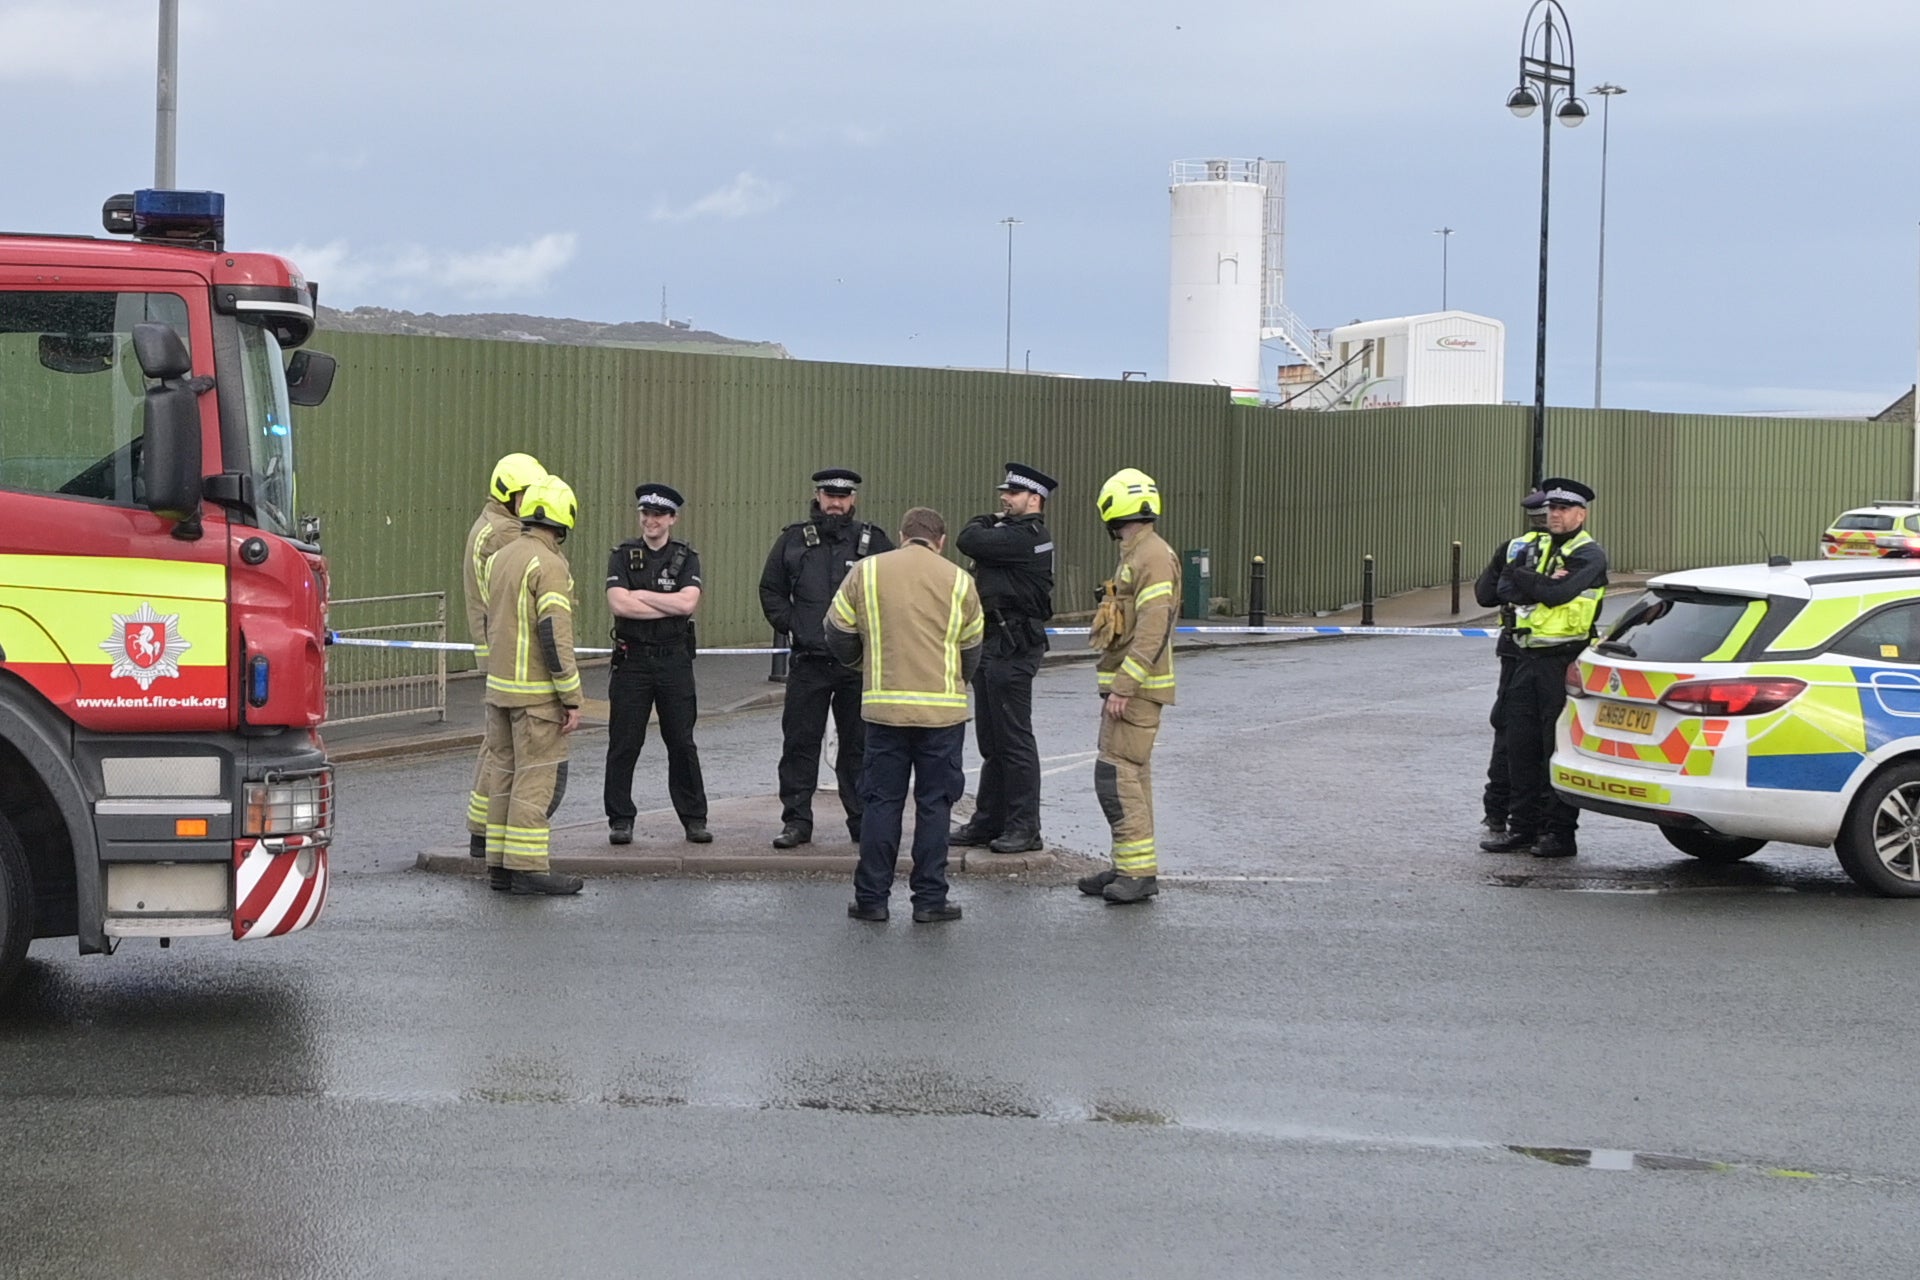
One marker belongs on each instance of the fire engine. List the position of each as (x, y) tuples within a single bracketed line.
[(162, 606)]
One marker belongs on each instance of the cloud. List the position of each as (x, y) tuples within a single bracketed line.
[(402, 273), (744, 197), (75, 43)]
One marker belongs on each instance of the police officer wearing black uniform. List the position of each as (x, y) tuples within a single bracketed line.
[(653, 587), (1012, 556), (1496, 799), (803, 571)]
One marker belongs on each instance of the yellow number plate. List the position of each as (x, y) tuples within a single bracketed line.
[(1618, 715)]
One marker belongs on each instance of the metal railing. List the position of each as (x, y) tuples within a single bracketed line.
[(375, 684)]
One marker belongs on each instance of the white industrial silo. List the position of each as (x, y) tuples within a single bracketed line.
[(1223, 228)]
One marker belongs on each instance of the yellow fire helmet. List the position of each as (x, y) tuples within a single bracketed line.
[(1129, 495), (549, 500), (513, 473)]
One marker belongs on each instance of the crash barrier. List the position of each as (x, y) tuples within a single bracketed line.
[(371, 677)]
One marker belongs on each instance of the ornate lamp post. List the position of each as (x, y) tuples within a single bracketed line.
[(1546, 81), (1607, 93)]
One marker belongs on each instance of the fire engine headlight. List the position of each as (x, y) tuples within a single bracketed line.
[(289, 806)]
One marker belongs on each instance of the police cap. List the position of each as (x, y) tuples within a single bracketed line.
[(1032, 479), (1535, 500), (838, 480), (659, 497), (1562, 492)]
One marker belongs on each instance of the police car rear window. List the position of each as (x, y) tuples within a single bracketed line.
[(1859, 520), (1666, 627)]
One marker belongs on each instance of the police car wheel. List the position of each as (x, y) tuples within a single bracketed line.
[(1879, 843), (16, 905), (1710, 846)]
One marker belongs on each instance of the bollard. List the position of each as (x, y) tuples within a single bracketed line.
[(1257, 593), (1456, 579), (778, 675), (1366, 593)]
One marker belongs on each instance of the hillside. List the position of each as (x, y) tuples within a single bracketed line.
[(506, 327)]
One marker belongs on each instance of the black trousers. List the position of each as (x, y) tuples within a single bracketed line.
[(1008, 797), (644, 678), (932, 758), (1535, 697), (816, 685), (1496, 800)]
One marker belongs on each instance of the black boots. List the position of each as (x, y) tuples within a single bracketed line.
[(499, 878), (940, 914), (1555, 845), (620, 831), (971, 835), (877, 913), (1017, 842), (1509, 842), (697, 833), (547, 883), (476, 846), (791, 836), (1096, 884), (1126, 890)]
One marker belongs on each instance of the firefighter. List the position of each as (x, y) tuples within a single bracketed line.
[(910, 621), (803, 570), (653, 587), (533, 691), (1012, 555), (1486, 592), (1556, 585), (497, 525), (1133, 630)]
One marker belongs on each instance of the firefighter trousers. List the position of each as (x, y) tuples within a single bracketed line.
[(1123, 783), (526, 777), (1008, 796), (477, 798)]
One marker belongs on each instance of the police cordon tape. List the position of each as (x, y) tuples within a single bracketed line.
[(1450, 633)]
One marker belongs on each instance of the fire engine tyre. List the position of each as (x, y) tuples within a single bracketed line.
[(1879, 843), (1710, 846), (16, 905)]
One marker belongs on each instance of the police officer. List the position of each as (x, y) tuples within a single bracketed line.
[(803, 571), (497, 524), (1494, 800), (1012, 556), (653, 587), (1556, 585)]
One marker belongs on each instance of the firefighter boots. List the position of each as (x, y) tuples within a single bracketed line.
[(548, 883), (476, 845), (1126, 890), (1095, 885), (499, 878)]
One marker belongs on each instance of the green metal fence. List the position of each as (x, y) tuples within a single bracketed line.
[(396, 464)]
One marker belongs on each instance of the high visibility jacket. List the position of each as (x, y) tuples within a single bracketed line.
[(1138, 661), (919, 628), (494, 529), (1540, 622), (530, 624)]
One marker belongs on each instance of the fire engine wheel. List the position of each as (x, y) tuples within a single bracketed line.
[(1711, 846), (16, 905), (1879, 844)]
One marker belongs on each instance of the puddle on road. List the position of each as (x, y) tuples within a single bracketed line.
[(1645, 1161)]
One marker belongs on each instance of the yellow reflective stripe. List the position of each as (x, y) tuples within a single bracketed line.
[(844, 611), (566, 683), (870, 598), (1133, 846), (116, 575), (553, 600), (480, 652), (1154, 592), (523, 633), (501, 684), (1135, 668), (1106, 678), (898, 698), (1157, 682), (477, 808), (956, 599)]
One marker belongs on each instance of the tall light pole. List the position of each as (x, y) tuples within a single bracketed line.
[(1445, 234), (1546, 78), (1009, 224), (1607, 93), (166, 100)]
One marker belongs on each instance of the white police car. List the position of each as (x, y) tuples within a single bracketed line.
[(1740, 705)]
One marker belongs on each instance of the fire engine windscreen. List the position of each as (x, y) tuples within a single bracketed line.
[(71, 391), (269, 428)]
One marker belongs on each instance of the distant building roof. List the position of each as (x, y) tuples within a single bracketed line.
[(1900, 410)]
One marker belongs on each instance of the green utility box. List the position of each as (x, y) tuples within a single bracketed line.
[(1196, 583)]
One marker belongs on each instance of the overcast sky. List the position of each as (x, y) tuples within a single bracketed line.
[(832, 176)]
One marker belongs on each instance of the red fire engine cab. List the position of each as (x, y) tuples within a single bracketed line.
[(162, 605)]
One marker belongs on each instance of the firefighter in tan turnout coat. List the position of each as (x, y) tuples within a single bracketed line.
[(1134, 632), (533, 691)]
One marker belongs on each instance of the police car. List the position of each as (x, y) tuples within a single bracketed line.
[(1885, 529), (1741, 705)]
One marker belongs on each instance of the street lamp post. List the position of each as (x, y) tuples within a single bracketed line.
[(1546, 78), (166, 97), (1009, 224), (1445, 234), (1607, 93)]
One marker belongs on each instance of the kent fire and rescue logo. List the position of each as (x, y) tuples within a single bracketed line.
[(146, 645)]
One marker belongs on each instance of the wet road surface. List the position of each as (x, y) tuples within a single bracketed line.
[(1373, 1060)]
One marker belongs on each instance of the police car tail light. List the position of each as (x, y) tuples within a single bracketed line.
[(1576, 688), (1733, 697)]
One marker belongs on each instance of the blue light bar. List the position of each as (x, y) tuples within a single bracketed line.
[(197, 216)]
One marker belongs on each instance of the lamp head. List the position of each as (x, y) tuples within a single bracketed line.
[(1572, 113), (1522, 102)]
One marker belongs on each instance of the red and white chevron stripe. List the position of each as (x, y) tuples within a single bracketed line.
[(273, 894)]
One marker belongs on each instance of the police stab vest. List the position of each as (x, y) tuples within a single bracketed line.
[(1544, 625)]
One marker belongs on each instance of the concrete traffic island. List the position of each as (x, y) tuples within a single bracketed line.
[(742, 831)]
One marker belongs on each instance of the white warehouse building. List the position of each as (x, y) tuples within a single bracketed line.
[(1443, 357)]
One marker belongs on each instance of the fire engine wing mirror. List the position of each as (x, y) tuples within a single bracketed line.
[(170, 451), (77, 352), (310, 377), (161, 351)]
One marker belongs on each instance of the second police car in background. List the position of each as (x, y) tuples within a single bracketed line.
[(1740, 705), (1885, 529)]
